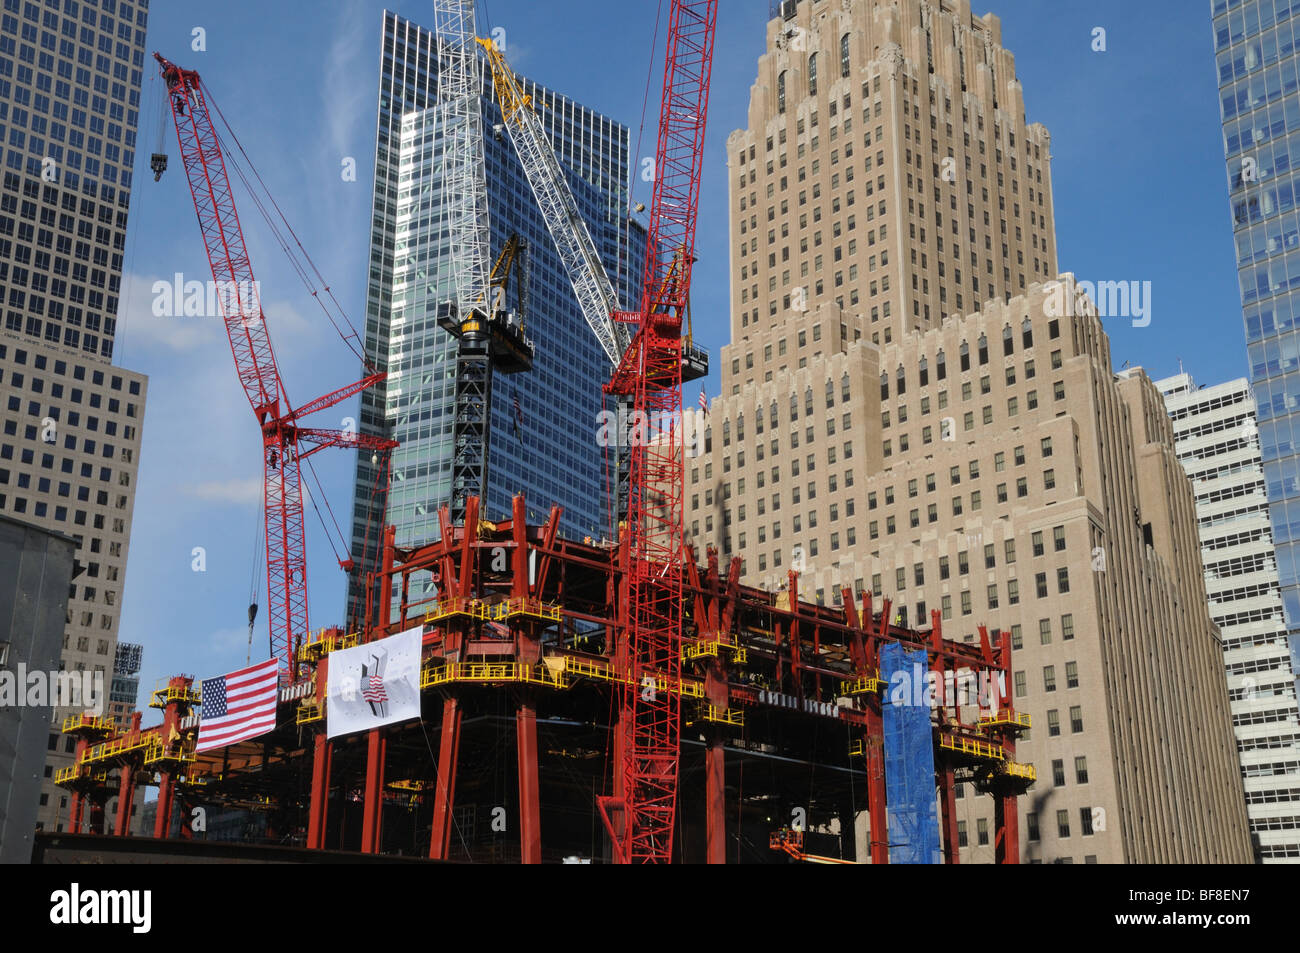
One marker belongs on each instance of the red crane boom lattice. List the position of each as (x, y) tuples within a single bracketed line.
[(651, 371), (284, 443)]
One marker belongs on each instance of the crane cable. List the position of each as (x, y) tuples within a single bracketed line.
[(347, 337)]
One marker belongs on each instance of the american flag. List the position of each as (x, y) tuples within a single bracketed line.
[(704, 401), (239, 705), (374, 691), (519, 416)]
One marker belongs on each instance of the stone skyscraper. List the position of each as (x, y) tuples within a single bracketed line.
[(914, 403)]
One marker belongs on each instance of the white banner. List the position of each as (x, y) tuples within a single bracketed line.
[(374, 684)]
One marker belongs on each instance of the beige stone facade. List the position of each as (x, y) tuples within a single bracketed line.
[(952, 437)]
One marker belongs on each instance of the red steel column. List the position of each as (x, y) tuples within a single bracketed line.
[(1006, 820), (444, 795), (97, 814), (125, 795), (74, 819), (715, 782), (320, 791), (373, 807), (162, 821), (948, 812), (874, 745), (530, 808)]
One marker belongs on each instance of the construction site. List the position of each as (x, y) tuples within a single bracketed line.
[(615, 700)]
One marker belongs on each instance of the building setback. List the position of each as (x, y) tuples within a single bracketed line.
[(536, 447), (1218, 446), (914, 404), (70, 77)]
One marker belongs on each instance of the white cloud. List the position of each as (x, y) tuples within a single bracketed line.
[(236, 490)]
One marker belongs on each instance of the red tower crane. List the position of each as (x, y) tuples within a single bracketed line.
[(285, 443), (651, 372)]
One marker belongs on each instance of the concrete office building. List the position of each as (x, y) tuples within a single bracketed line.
[(70, 78), (36, 568), (1218, 446), (546, 447), (912, 403)]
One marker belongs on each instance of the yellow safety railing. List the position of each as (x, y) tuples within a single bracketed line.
[(88, 722), (525, 607), (410, 785), (162, 697), (1005, 716), (308, 712), (118, 747), (863, 685), (584, 668), (488, 672), (324, 643), (722, 716), (1018, 770), (713, 649), (64, 775), (459, 605), (182, 754), (971, 746)]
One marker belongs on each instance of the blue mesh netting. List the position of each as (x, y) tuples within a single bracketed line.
[(909, 758)]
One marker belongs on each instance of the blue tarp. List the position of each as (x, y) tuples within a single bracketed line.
[(913, 815)]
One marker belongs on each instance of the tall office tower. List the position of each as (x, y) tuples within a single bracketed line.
[(543, 421), (982, 462), (1255, 44), (70, 77), (1217, 443)]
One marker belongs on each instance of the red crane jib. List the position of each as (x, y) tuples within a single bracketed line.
[(250, 343)]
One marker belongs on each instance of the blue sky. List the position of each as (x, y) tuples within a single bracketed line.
[(1138, 183)]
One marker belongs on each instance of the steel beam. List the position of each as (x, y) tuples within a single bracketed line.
[(444, 795), (530, 806), (373, 806), (318, 811)]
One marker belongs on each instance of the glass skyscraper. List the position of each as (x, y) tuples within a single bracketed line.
[(544, 421), (1255, 47)]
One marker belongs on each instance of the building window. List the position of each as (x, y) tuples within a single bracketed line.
[(1058, 538), (1063, 823), (1031, 823), (1076, 718), (1019, 677), (1071, 674), (1081, 770), (961, 834), (1049, 678), (1063, 579), (1058, 773), (1067, 627), (1085, 821), (982, 831), (1053, 722)]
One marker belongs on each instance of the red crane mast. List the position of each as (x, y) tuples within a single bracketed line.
[(651, 372), (285, 445)]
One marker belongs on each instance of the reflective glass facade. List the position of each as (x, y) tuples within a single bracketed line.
[(546, 448), (1259, 96)]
